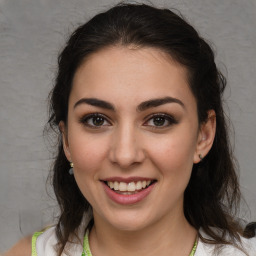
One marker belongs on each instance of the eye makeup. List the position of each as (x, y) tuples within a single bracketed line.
[(154, 121), (95, 120), (160, 121)]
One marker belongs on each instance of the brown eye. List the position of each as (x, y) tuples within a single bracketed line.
[(160, 121), (98, 120), (95, 121)]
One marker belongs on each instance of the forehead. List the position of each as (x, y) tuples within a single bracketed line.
[(130, 60), (134, 73)]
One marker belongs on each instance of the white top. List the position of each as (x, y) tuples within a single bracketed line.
[(46, 242)]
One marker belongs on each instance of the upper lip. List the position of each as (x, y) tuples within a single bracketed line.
[(127, 179)]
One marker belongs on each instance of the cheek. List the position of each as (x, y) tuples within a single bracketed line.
[(173, 155), (88, 155), (87, 152)]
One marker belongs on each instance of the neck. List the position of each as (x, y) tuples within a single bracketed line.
[(175, 238)]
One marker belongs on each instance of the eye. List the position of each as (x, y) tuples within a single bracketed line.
[(95, 120), (160, 121)]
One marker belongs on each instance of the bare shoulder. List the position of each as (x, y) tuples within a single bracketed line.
[(22, 248)]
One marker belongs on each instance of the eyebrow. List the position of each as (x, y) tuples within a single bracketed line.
[(158, 102), (141, 107), (95, 102)]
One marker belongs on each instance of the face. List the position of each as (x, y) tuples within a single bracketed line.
[(132, 135)]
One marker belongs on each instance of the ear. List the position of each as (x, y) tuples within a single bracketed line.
[(205, 137), (64, 133)]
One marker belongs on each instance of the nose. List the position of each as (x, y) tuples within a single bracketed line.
[(126, 147)]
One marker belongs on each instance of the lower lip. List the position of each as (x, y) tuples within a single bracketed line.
[(127, 199)]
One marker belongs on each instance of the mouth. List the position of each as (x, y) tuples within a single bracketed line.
[(129, 188)]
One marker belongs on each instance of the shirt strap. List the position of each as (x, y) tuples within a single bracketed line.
[(34, 238), (86, 246)]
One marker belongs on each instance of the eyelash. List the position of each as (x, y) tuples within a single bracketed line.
[(84, 120), (170, 119)]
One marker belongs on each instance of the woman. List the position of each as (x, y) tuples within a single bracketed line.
[(144, 165)]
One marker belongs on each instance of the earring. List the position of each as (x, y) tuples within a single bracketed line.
[(71, 172), (201, 157)]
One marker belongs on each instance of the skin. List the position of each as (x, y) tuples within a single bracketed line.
[(22, 248), (128, 143)]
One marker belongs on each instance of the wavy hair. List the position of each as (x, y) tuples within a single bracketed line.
[(212, 195)]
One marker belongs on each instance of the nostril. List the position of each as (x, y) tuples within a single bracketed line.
[(126, 161), (126, 152)]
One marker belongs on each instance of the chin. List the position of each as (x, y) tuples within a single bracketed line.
[(129, 222), (129, 227)]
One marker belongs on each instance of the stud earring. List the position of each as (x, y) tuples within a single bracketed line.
[(201, 157), (71, 171)]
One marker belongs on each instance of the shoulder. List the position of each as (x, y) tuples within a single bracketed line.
[(22, 248), (47, 241), (248, 245)]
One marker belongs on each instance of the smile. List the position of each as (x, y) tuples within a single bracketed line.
[(130, 187), (128, 191)]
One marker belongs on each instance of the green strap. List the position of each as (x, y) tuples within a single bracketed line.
[(34, 238), (193, 249), (86, 246)]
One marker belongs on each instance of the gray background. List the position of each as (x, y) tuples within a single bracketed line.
[(31, 34)]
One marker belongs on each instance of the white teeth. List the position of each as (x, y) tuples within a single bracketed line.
[(138, 185), (122, 186), (116, 185), (111, 184), (128, 187), (131, 186)]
